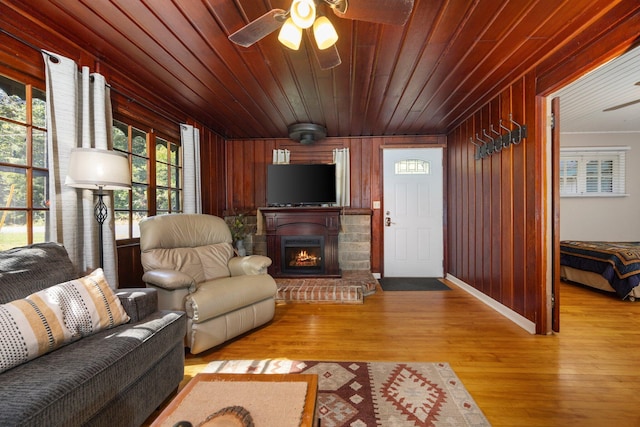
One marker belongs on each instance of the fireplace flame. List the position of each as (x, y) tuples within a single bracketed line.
[(305, 259)]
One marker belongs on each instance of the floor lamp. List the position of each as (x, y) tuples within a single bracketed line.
[(101, 170)]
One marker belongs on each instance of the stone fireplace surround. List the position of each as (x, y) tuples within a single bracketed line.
[(354, 239)]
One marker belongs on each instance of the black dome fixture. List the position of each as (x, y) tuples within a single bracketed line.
[(307, 133)]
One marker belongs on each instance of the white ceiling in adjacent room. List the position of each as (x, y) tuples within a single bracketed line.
[(615, 86)]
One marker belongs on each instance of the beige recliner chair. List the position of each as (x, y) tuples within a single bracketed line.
[(189, 260)]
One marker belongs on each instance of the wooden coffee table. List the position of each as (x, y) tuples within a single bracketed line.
[(207, 394)]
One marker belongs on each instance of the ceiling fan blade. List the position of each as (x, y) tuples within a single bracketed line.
[(626, 104), (327, 58), (393, 12), (259, 28)]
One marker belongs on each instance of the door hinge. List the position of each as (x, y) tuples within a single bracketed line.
[(553, 121)]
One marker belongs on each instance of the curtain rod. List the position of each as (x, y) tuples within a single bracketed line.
[(129, 98)]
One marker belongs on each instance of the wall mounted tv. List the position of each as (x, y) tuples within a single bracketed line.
[(301, 184)]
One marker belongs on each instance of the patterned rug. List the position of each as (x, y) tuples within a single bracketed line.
[(367, 394), (351, 288)]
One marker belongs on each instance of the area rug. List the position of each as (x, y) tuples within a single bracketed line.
[(412, 284), (367, 394), (351, 288)]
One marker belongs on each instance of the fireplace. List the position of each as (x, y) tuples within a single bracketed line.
[(302, 241), (302, 255)]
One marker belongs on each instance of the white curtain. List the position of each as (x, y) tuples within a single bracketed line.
[(343, 176), (78, 115), (192, 189), (281, 156)]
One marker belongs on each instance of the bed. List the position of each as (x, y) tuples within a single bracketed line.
[(608, 266)]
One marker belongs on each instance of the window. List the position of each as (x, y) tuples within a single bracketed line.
[(156, 178), (412, 167), (168, 177), (592, 171), (24, 178)]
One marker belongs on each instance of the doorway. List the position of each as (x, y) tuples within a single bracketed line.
[(413, 212), (598, 113)]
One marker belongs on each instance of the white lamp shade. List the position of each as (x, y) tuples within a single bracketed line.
[(324, 33), (303, 13), (290, 35), (94, 168)]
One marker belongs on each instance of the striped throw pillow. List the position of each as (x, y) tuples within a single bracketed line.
[(53, 317)]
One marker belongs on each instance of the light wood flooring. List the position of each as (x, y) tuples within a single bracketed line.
[(588, 375)]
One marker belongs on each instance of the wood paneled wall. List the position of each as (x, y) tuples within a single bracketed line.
[(246, 166), (498, 207), (495, 204)]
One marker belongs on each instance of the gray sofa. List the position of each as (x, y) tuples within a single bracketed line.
[(116, 377)]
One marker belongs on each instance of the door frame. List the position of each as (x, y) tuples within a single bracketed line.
[(443, 146)]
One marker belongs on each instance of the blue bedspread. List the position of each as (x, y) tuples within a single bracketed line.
[(617, 262)]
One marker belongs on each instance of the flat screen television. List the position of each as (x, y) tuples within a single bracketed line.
[(301, 184)]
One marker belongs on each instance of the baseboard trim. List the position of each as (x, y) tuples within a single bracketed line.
[(516, 318)]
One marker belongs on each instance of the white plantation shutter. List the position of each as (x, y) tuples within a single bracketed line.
[(593, 171)]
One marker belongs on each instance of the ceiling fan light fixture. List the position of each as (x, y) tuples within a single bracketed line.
[(303, 13), (290, 35), (324, 33)]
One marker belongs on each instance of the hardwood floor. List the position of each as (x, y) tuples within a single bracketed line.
[(587, 375)]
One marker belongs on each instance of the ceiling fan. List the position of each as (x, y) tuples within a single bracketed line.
[(626, 104), (302, 16)]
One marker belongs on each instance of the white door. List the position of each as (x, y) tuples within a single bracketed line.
[(413, 210)]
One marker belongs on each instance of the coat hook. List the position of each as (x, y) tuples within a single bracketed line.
[(478, 155), (483, 147), (516, 135), (497, 142), (490, 144), (506, 139)]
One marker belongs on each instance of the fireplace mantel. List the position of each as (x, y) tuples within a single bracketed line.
[(302, 221)]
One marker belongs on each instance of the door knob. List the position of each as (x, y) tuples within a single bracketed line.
[(387, 221)]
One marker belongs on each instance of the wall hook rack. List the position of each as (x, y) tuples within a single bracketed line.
[(495, 140)]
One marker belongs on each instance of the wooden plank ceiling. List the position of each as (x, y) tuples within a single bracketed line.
[(420, 78)]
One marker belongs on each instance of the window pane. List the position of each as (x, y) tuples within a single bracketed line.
[(13, 143), (13, 192), (39, 110), (139, 198), (121, 199), (137, 217), (162, 199), (175, 178), (162, 175), (175, 152), (14, 230), (39, 144), (39, 226), (412, 166), (40, 189), (13, 97), (592, 184), (139, 143), (122, 225), (120, 133), (175, 201), (139, 170), (161, 151)]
